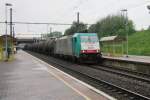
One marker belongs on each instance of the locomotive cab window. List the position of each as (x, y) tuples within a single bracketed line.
[(89, 39)]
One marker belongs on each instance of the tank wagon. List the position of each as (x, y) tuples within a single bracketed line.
[(81, 47)]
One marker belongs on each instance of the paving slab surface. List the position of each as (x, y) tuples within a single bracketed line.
[(134, 58), (26, 78)]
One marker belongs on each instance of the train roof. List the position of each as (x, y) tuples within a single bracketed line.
[(84, 34), (64, 37), (77, 34)]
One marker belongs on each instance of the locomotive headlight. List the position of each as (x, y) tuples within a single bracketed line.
[(82, 51)]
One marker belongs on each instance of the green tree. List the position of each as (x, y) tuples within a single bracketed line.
[(113, 25), (81, 27)]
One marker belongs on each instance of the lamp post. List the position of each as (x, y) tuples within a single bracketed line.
[(11, 31), (125, 13), (6, 41)]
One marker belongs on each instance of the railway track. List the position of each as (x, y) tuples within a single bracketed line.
[(139, 77), (142, 73), (145, 75), (112, 87), (119, 92)]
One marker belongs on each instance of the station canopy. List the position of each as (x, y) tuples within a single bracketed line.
[(3, 37), (111, 39)]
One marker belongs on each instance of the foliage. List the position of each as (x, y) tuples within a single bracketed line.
[(113, 25), (138, 44), (81, 27)]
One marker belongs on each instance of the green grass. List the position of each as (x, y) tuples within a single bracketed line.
[(139, 44)]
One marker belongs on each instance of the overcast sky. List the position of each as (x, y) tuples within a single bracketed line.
[(64, 11)]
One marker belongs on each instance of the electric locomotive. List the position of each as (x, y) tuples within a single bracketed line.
[(82, 47)]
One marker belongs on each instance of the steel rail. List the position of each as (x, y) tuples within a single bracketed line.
[(115, 71), (136, 96)]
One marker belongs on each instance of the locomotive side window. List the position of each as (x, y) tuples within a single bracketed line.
[(75, 39)]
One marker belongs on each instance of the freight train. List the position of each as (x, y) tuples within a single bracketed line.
[(80, 47)]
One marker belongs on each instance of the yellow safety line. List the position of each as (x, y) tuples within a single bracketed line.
[(67, 84)]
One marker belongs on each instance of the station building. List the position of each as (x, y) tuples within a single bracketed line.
[(11, 42)]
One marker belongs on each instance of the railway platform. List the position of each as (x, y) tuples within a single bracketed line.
[(131, 58), (29, 78)]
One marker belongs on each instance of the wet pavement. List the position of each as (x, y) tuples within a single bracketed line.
[(26, 78)]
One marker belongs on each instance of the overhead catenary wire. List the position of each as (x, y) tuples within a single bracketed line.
[(47, 23), (40, 23), (37, 23)]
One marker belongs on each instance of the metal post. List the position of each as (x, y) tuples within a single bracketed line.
[(47, 30), (78, 20), (125, 13), (50, 32), (11, 33), (127, 30), (122, 48), (6, 53), (78, 17), (6, 40), (113, 49)]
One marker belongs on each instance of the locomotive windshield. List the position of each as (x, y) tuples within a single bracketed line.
[(89, 39)]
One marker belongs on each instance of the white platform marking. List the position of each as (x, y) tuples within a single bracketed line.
[(85, 84)]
